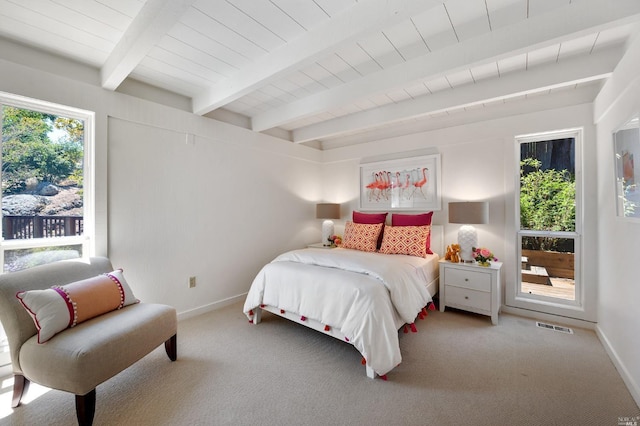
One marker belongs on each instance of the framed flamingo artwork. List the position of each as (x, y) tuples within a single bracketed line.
[(404, 184)]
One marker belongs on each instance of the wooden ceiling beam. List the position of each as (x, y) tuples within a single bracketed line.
[(153, 22), (562, 24), (363, 18), (580, 69)]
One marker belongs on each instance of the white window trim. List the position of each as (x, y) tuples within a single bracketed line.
[(87, 240), (571, 308)]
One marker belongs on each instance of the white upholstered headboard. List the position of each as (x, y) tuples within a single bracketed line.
[(437, 240)]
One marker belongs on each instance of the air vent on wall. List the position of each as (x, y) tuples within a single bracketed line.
[(559, 328)]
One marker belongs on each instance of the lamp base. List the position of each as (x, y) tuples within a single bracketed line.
[(327, 232), (467, 238)]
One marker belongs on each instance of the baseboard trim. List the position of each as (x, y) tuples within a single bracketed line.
[(634, 388), (211, 307), (556, 319)]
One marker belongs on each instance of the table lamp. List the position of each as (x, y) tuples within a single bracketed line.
[(468, 213), (327, 211)]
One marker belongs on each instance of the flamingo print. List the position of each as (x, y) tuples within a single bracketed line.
[(373, 185), (397, 185), (405, 185), (419, 184), (385, 184)]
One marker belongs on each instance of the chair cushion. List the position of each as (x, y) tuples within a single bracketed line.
[(80, 358), (16, 321)]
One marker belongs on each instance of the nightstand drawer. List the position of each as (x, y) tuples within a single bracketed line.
[(469, 279), (469, 298)]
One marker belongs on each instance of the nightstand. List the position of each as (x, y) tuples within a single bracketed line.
[(320, 245), (471, 287)]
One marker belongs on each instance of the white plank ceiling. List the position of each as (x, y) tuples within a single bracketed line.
[(329, 73)]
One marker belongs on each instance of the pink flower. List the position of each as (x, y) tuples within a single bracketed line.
[(485, 253)]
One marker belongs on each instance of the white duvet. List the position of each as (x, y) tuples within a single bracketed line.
[(367, 296)]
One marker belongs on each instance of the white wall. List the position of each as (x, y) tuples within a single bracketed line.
[(149, 179), (479, 163), (618, 239), (218, 207)]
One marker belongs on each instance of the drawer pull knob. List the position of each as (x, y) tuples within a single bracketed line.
[(466, 279), (466, 297)]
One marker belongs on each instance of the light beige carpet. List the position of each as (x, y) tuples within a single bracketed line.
[(457, 370)]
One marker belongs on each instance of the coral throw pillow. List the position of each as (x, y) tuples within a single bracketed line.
[(60, 307), (410, 240), (361, 236), (398, 219), (371, 218)]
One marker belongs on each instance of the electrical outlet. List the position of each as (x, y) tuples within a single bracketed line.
[(192, 282)]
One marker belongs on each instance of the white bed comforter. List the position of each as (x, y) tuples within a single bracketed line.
[(367, 296)]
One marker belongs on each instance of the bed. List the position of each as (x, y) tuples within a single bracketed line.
[(360, 297)]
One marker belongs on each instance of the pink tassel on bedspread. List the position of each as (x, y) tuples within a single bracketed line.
[(327, 328), (346, 339), (363, 361), (406, 329), (303, 318), (282, 311), (432, 306), (251, 312), (384, 377), (413, 327)]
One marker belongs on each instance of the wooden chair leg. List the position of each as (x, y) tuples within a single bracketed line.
[(20, 388), (171, 347), (86, 408)]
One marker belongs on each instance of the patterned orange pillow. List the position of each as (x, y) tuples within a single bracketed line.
[(411, 240), (361, 236)]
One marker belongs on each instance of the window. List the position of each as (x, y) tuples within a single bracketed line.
[(47, 185), (549, 220)]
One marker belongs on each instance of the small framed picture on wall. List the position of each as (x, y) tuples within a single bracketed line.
[(627, 150), (403, 184)]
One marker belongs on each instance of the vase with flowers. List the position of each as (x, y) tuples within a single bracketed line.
[(335, 240), (483, 256)]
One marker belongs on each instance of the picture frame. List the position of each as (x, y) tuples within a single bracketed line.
[(626, 140), (411, 184)]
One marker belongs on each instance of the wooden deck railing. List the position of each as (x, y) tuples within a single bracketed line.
[(26, 227)]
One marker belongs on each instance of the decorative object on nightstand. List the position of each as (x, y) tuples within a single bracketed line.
[(320, 245), (468, 213), (335, 240), (327, 211), (483, 256), (471, 287), (453, 253)]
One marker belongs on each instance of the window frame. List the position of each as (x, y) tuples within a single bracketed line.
[(87, 239), (540, 303)]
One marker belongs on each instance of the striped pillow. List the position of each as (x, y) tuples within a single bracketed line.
[(59, 307), (410, 240), (361, 236)]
